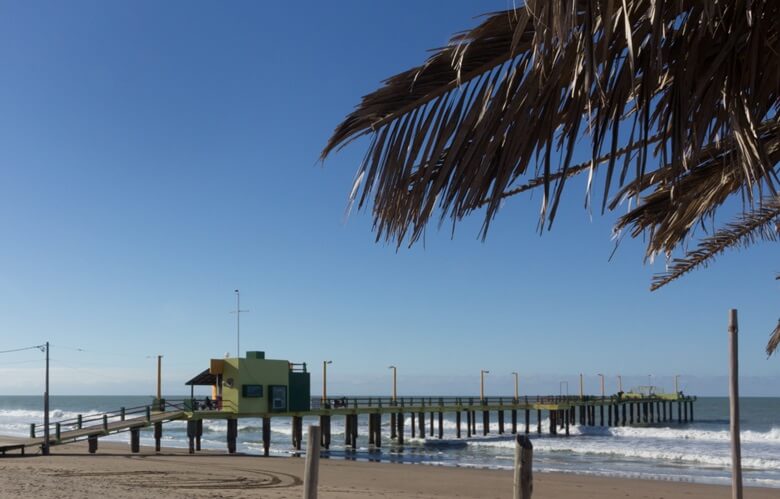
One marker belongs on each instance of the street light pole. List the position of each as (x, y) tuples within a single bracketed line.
[(517, 389), (620, 383), (482, 374), (395, 379), (582, 387), (159, 379), (602, 385), (325, 379), (45, 447)]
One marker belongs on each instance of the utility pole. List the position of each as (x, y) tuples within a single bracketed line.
[(45, 447), (517, 383), (582, 387), (620, 383)]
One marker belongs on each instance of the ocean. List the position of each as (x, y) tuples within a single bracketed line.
[(695, 452)]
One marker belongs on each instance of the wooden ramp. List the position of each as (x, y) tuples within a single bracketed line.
[(92, 431)]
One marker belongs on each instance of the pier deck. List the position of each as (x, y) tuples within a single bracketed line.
[(562, 412)]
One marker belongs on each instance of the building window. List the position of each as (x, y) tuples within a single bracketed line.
[(252, 391)]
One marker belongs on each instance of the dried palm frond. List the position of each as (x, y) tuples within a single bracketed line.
[(690, 88), (759, 224), (774, 340)]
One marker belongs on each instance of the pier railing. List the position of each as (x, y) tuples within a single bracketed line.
[(432, 401), (82, 421)]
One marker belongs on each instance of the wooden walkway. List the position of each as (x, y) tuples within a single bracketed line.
[(562, 412), (91, 432)]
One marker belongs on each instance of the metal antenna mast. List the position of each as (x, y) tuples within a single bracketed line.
[(238, 313)]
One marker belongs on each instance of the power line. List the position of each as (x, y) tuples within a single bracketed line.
[(38, 347)]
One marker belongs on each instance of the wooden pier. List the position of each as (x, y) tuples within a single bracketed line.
[(426, 415)]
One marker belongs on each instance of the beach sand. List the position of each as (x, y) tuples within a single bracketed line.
[(70, 472)]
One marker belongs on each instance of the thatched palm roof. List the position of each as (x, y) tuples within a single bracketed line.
[(679, 102)]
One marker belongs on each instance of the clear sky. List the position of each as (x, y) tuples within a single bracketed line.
[(154, 156)]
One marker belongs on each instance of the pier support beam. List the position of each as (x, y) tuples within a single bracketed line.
[(400, 421), (393, 426), (135, 440), (539, 421), (514, 421), (630, 413), (567, 423), (414, 426), (691, 411), (441, 425), (552, 414), (232, 433), (92, 440), (157, 436), (297, 432), (500, 422), (457, 423), (468, 424), (267, 434), (431, 425), (421, 422), (325, 431), (485, 422), (191, 436)]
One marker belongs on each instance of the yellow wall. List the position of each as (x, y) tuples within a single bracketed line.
[(263, 372)]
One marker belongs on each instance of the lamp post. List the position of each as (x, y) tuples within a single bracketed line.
[(582, 387), (159, 379), (602, 385), (482, 374), (620, 383), (395, 381), (325, 380), (676, 384), (517, 388)]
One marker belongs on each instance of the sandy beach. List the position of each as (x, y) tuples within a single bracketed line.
[(116, 473)]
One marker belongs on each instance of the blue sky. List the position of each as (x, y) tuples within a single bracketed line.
[(154, 156)]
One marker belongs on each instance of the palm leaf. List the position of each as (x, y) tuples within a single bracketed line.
[(501, 107), (760, 224), (774, 340)]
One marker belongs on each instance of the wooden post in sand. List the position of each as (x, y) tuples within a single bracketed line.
[(311, 472), (736, 452), (523, 479)]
